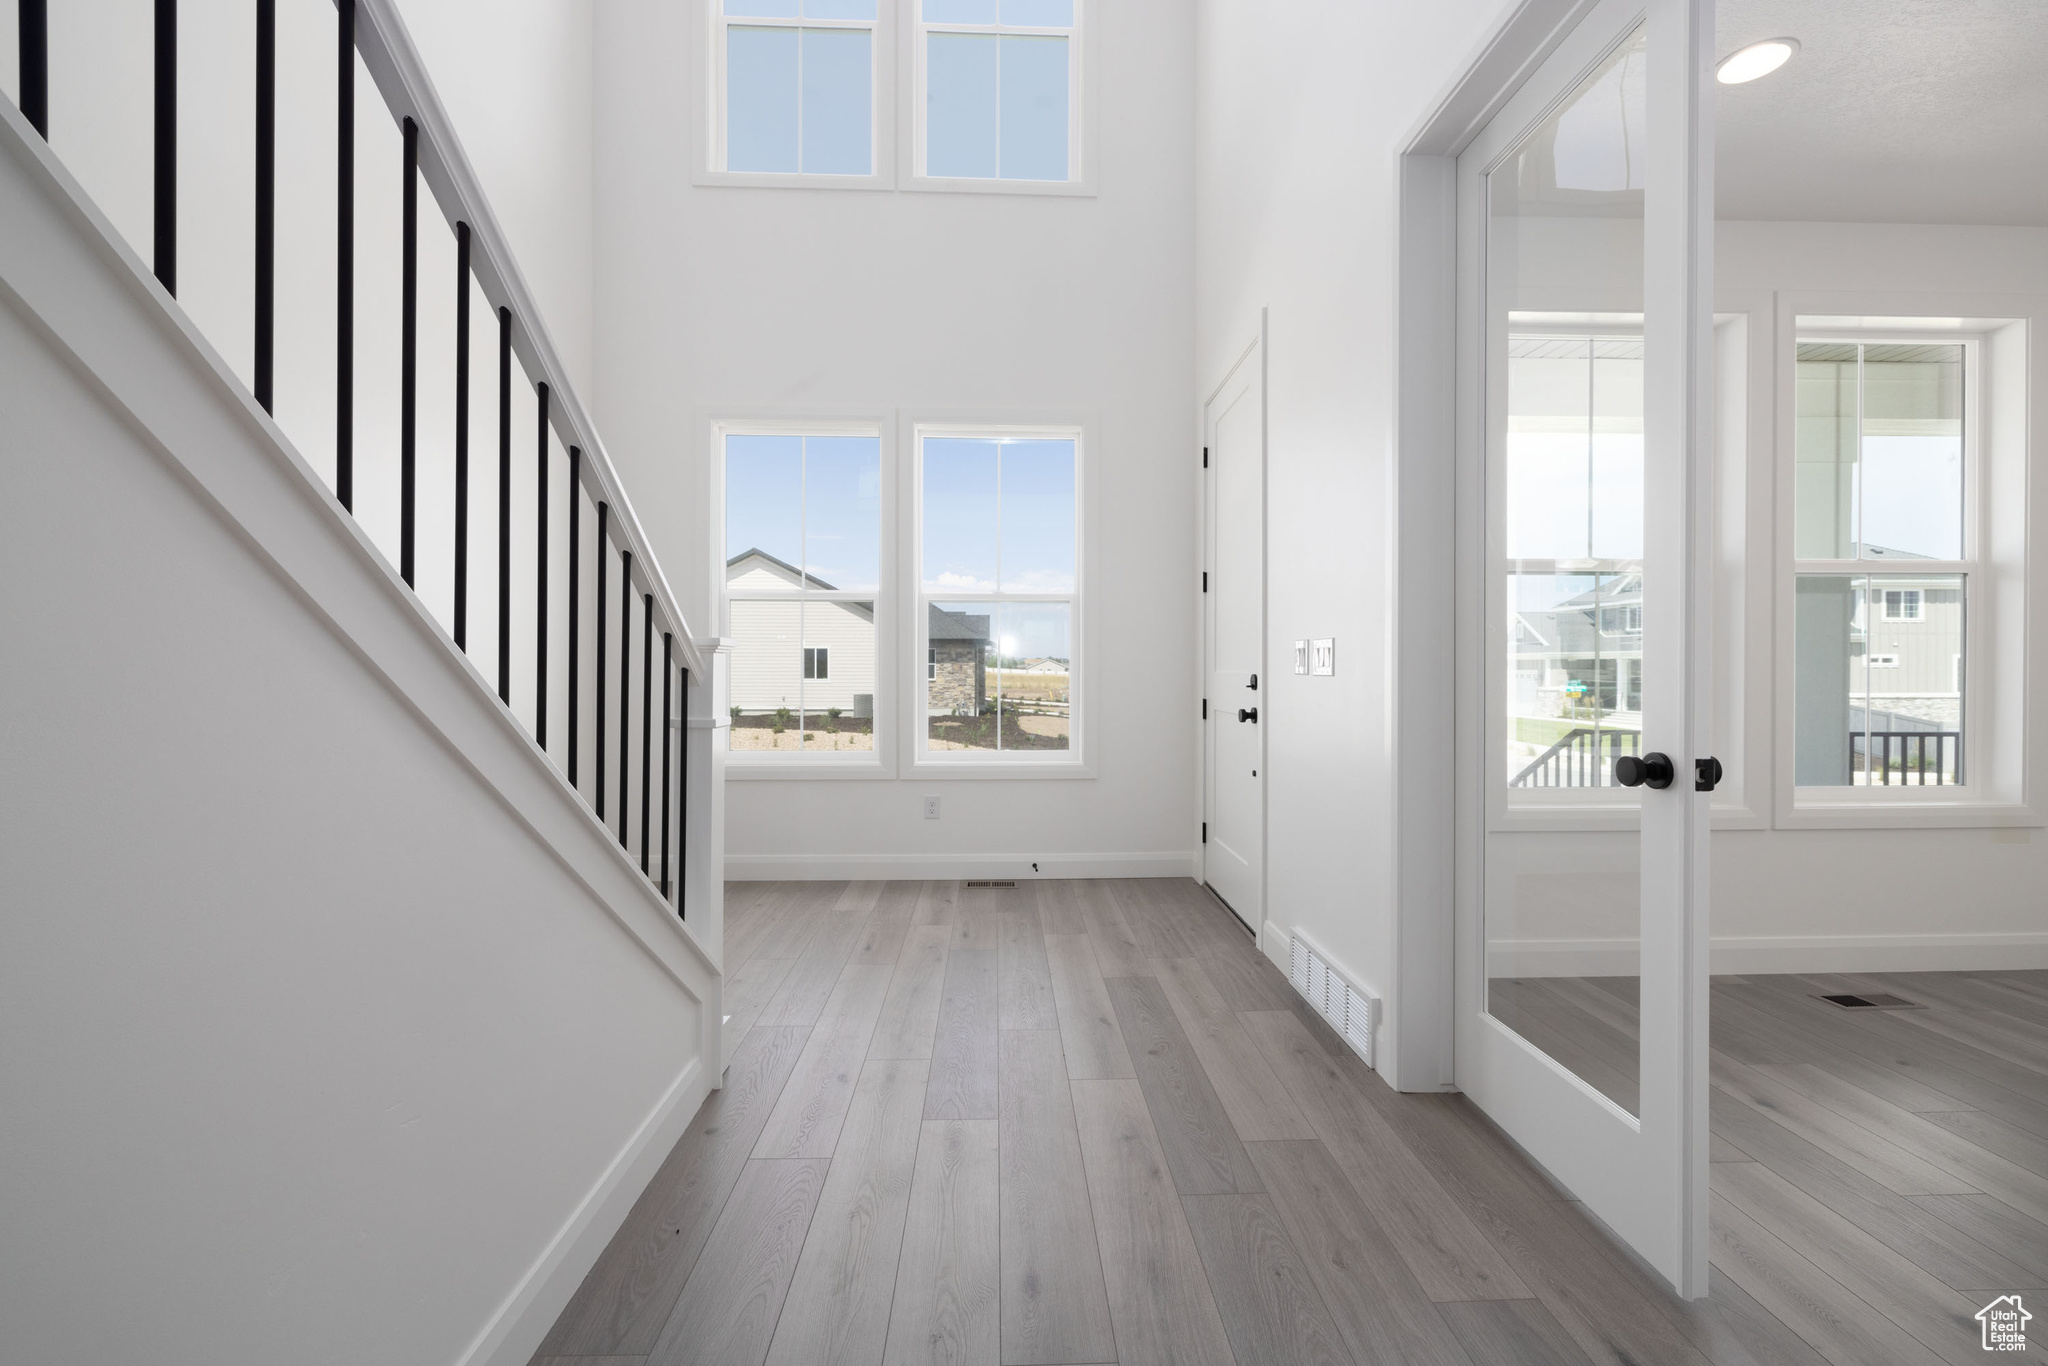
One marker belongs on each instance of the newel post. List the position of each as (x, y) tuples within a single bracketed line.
[(704, 816)]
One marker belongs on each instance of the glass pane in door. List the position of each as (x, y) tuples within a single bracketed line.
[(1565, 440)]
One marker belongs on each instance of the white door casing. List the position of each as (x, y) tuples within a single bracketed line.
[(1233, 613)]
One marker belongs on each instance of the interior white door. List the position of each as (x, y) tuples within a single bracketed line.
[(1234, 604), (1583, 360)]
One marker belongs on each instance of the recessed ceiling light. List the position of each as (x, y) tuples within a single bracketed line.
[(1758, 59)]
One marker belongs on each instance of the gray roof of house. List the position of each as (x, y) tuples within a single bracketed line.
[(956, 625)]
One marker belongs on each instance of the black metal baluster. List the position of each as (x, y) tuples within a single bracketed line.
[(646, 722), (625, 689), (33, 30), (266, 201), (505, 506), (408, 350), (462, 437), (668, 646), (345, 259), (597, 732), (575, 591), (540, 574), (167, 144)]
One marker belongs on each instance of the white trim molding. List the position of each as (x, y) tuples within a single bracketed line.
[(1768, 954), (923, 867)]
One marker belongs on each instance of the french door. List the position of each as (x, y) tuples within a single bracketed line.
[(1584, 216)]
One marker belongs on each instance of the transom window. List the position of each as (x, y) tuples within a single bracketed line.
[(799, 86), (803, 579), (999, 600), (997, 89)]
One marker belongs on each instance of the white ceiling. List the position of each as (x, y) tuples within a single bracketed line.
[(1894, 111)]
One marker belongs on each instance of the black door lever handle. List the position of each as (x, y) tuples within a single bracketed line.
[(1650, 770), (1250, 714)]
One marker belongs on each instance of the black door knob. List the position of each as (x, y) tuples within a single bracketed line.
[(1248, 714), (1651, 770)]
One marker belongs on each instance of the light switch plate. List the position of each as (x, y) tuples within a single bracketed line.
[(1301, 656), (1322, 658)]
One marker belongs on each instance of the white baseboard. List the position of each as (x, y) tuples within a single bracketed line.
[(522, 1322), (1764, 954), (912, 867)]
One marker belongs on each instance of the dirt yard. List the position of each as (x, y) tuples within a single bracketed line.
[(751, 734)]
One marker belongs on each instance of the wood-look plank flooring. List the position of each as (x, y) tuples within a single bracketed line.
[(1076, 1123)]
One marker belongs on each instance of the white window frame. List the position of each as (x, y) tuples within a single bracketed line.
[(1080, 84), (1077, 761), (710, 159), (881, 762), (2003, 382), (1544, 808)]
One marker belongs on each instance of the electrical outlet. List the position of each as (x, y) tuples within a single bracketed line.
[(1301, 656), (1322, 658), (931, 808)]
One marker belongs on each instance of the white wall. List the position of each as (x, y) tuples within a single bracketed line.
[(332, 1026), (516, 79), (727, 301), (1789, 900), (1299, 126)]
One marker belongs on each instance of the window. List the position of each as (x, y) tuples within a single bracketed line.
[(997, 96), (998, 594), (1621, 621), (803, 576), (1883, 563), (1572, 523), (798, 80)]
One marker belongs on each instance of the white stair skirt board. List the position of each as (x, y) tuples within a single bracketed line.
[(2026, 950), (1353, 1011), (920, 867)]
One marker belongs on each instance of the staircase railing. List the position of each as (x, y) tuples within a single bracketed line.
[(567, 440)]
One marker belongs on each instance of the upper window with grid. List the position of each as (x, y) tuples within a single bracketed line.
[(799, 86), (998, 89)]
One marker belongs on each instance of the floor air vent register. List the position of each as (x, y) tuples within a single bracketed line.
[(1351, 1010)]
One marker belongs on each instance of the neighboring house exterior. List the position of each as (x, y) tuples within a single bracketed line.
[(956, 663), (1044, 666), (809, 655), (1586, 653), (1906, 648)]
